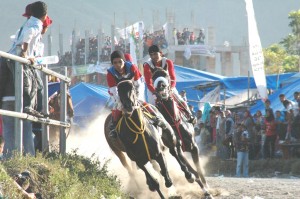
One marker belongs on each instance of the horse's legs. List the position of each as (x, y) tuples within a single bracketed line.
[(164, 172), (184, 168), (195, 157), (151, 182)]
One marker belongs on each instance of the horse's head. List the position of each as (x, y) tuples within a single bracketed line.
[(161, 82), (127, 96)]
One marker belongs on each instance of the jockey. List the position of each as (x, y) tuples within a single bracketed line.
[(158, 61), (119, 71)]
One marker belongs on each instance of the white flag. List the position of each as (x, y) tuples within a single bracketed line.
[(256, 54)]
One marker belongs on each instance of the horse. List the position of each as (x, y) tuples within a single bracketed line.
[(54, 107), (166, 103), (138, 137)]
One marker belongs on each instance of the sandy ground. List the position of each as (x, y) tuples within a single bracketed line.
[(91, 140)]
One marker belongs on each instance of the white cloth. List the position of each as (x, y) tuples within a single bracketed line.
[(31, 34), (140, 88)]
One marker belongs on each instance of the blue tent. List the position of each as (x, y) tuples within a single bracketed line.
[(188, 79), (288, 91), (88, 101), (53, 87)]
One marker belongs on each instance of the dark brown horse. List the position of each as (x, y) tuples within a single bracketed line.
[(184, 131), (137, 137)]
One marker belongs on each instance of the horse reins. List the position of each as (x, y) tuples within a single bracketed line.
[(176, 123), (140, 130)]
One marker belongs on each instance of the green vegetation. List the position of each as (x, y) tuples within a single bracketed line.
[(285, 56), (64, 177)]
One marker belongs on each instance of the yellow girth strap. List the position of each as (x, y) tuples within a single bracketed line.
[(140, 131)]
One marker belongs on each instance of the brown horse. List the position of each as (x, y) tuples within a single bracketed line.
[(54, 107), (167, 105), (137, 137)]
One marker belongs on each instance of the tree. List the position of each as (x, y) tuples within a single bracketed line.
[(292, 41), (274, 58)]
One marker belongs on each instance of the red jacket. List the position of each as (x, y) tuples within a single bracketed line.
[(270, 128), (148, 74), (111, 81)]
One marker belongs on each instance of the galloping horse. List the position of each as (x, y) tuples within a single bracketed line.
[(137, 137), (184, 131)]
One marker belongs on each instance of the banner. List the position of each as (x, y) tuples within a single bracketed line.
[(138, 28), (256, 54)]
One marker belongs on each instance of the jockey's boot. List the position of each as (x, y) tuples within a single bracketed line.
[(156, 120), (190, 117), (116, 115)]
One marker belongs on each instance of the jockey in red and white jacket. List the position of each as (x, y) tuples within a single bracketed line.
[(119, 71), (157, 60), (150, 66)]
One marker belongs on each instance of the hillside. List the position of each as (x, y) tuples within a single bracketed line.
[(228, 17)]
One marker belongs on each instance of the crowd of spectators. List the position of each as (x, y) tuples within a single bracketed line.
[(265, 134), (186, 37)]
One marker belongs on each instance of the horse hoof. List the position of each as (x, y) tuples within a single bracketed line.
[(168, 184), (208, 196), (190, 177), (175, 197)]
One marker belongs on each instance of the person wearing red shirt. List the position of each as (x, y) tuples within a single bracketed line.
[(270, 125), (157, 60), (119, 71)]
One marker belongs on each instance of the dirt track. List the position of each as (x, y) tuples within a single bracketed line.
[(93, 141)]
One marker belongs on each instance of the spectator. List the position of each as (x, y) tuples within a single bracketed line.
[(268, 105), (242, 147), (296, 126), (22, 181), (229, 132), (191, 108), (249, 123), (27, 39), (269, 148), (202, 138), (201, 37), (281, 126)]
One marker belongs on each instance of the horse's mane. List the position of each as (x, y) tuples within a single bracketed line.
[(160, 72), (124, 87)]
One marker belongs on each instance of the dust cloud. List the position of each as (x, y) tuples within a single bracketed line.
[(91, 140)]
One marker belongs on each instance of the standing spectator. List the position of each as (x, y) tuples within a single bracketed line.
[(285, 102), (39, 52), (241, 143), (270, 135), (229, 132), (249, 123), (268, 105), (281, 126), (296, 126), (27, 39), (202, 138), (201, 37), (191, 108)]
